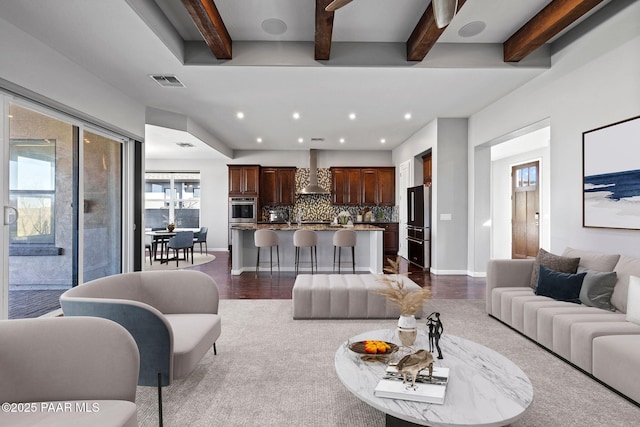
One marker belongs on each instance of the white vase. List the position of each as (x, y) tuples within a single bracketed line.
[(407, 330)]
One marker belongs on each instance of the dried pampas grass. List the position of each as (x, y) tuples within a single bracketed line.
[(395, 291)]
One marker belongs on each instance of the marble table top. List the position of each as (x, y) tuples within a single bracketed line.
[(485, 388)]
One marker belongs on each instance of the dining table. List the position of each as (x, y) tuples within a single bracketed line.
[(160, 238)]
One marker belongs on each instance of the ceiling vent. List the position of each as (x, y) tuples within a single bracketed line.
[(317, 139), (185, 144), (167, 81)]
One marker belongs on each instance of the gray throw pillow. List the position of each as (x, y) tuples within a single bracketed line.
[(552, 262), (597, 288)]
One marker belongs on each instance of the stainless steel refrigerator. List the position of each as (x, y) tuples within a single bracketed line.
[(419, 225)]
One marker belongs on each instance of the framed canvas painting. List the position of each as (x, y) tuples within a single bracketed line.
[(611, 176)]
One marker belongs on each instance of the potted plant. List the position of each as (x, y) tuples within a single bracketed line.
[(408, 302)]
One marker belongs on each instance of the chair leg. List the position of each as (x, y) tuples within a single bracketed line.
[(297, 259), (258, 262), (215, 351), (270, 260), (339, 258), (177, 252), (278, 255), (334, 259), (353, 259), (160, 399), (191, 250), (311, 257)]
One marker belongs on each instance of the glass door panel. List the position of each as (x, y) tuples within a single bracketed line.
[(41, 239), (102, 208)]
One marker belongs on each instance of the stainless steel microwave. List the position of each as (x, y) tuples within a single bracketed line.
[(243, 210)]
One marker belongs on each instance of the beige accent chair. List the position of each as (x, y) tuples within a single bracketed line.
[(67, 372), (172, 315)]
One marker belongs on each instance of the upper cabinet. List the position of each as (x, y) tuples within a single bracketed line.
[(427, 169), (346, 186), (244, 180), (364, 186), (277, 186)]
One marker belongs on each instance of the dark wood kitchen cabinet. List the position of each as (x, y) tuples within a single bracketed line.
[(390, 238), (375, 186), (244, 180), (346, 186), (277, 186), (379, 186)]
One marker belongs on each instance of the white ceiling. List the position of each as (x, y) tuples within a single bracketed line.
[(114, 42)]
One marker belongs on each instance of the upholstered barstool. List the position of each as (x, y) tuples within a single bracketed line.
[(264, 239), (306, 239), (344, 239)]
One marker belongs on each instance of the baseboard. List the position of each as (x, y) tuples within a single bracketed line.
[(449, 272)]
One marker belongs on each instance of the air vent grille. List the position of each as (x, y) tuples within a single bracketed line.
[(317, 139), (167, 81), (185, 144)]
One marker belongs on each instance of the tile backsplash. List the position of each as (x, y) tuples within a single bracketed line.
[(318, 207)]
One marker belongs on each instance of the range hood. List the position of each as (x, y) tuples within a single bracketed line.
[(313, 187)]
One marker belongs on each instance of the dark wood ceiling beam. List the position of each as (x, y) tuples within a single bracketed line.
[(210, 24), (425, 34), (324, 30), (555, 17)]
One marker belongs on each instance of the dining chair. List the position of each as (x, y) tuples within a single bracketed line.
[(182, 240), (201, 237)]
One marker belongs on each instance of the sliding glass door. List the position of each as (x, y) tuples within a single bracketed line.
[(41, 195), (62, 191), (102, 207)]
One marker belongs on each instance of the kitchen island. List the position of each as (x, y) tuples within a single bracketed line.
[(368, 250)]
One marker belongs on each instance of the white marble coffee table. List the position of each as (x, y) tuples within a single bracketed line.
[(485, 388)]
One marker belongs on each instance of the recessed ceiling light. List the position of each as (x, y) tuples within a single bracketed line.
[(352, 116), (382, 141), (472, 29), (341, 140), (300, 140), (240, 115), (296, 115), (259, 140), (407, 116)]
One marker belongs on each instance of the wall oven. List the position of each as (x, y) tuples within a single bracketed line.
[(243, 210)]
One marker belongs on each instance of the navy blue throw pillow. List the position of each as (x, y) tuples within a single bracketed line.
[(559, 286)]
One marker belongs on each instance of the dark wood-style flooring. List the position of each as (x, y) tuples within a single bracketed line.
[(34, 303), (278, 286)]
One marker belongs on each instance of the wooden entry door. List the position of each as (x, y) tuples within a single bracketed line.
[(525, 230)]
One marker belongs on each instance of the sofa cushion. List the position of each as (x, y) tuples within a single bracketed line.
[(192, 334), (626, 267), (554, 262), (563, 328), (583, 334), (559, 286), (633, 300), (597, 288), (615, 362), (593, 260), (496, 298)]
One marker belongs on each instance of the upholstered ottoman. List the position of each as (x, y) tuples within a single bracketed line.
[(343, 296)]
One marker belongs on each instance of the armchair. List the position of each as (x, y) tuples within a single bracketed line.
[(172, 315), (85, 364)]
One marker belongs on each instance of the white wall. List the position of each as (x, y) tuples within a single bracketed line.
[(29, 63), (593, 82), (300, 158)]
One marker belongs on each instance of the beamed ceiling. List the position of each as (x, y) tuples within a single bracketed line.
[(385, 61)]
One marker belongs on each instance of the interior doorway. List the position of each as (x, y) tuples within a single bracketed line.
[(525, 208)]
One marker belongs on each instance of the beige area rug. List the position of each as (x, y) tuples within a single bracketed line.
[(171, 265), (274, 371)]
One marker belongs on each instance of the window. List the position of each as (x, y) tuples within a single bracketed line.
[(32, 169), (172, 197)]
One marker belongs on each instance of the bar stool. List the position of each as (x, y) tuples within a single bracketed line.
[(306, 239), (263, 239), (344, 239)]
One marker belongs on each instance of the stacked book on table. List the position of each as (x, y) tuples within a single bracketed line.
[(427, 389)]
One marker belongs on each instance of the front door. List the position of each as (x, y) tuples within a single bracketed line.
[(525, 220)]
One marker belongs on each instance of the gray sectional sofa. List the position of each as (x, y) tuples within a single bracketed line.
[(600, 341)]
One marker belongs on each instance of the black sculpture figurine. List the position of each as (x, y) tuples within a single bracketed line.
[(435, 332)]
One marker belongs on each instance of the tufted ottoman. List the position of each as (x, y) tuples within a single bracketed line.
[(343, 296)]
